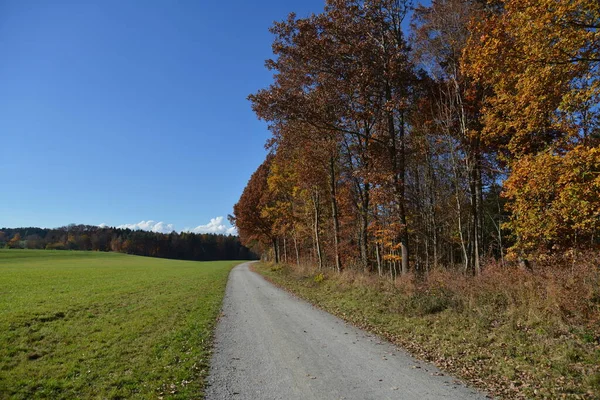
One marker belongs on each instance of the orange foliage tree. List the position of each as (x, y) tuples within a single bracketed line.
[(541, 61)]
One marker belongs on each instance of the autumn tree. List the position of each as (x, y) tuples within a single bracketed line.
[(554, 199), (15, 242), (540, 59), (345, 72), (251, 214), (389, 154), (440, 34)]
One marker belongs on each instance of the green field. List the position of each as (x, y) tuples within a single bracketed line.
[(106, 325)]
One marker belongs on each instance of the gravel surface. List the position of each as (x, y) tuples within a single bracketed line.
[(270, 345)]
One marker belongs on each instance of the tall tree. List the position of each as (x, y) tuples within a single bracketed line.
[(345, 72), (441, 31), (252, 213), (541, 61)]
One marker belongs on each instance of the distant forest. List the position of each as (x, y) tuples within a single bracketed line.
[(182, 246)]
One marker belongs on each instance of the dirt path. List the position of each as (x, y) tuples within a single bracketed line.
[(270, 345)]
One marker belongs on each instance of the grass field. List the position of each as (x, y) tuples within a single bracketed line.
[(106, 325)]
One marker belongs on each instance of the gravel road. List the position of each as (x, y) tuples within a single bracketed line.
[(270, 345)]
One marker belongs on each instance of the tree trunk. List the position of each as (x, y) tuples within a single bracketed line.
[(399, 175), (479, 194), (378, 254), (404, 242), (296, 248), (275, 250), (431, 181), (364, 229), (474, 187), (317, 218), (334, 213)]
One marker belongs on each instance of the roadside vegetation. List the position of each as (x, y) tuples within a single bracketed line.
[(104, 325), (508, 331)]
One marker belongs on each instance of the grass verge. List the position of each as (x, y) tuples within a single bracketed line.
[(106, 325), (507, 331)]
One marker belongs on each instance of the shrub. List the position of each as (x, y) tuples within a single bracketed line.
[(55, 246)]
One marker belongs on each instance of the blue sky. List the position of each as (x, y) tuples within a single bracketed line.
[(121, 111)]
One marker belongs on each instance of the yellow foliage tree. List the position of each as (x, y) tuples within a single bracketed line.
[(555, 199), (540, 62), (15, 242)]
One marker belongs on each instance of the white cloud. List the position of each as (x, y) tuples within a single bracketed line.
[(150, 225), (216, 225)]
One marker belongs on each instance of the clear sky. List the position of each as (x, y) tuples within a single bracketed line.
[(121, 111)]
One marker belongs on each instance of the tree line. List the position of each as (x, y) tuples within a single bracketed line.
[(472, 136), (182, 246)]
